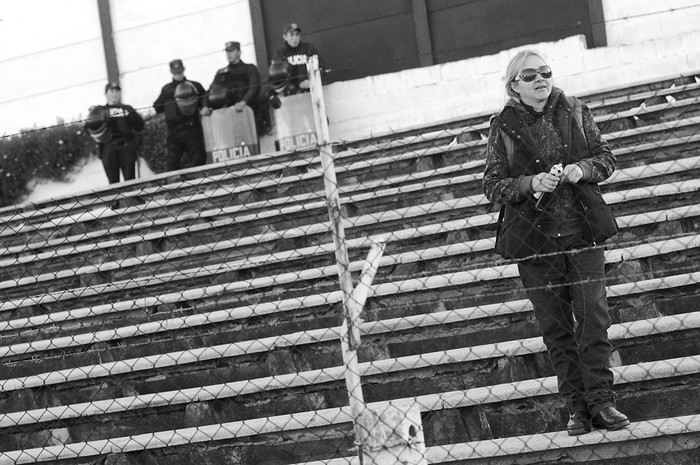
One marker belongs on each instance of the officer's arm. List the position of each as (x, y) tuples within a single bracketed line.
[(278, 55), (253, 85), (205, 99), (200, 93), (159, 104), (135, 119)]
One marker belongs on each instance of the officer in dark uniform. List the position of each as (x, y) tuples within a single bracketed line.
[(181, 100), (114, 127), (237, 85), (294, 53)]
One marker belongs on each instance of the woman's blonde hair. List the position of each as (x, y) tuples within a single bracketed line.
[(514, 66)]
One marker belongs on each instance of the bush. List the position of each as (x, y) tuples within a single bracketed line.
[(52, 153), (153, 146), (47, 153)]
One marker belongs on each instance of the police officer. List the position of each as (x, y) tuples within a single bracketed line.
[(181, 100), (294, 53), (114, 127), (237, 85)]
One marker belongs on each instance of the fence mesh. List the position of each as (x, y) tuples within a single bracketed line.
[(197, 317)]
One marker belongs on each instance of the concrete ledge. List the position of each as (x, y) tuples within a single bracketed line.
[(636, 440), (474, 86), (647, 371)]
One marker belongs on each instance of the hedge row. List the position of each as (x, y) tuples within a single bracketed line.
[(53, 153)]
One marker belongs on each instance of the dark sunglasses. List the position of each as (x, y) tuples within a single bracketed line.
[(529, 74)]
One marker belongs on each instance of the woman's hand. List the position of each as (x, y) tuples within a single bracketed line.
[(572, 173), (544, 182)]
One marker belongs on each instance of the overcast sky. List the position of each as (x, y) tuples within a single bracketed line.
[(29, 26)]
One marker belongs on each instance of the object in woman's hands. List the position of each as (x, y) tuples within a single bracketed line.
[(556, 170)]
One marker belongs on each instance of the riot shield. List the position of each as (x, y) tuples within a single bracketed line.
[(230, 134), (293, 123)]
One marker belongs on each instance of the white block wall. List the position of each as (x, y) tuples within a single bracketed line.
[(393, 102), (632, 21)]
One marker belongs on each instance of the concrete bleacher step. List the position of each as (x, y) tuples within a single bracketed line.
[(304, 253), (266, 208), (330, 417), (642, 91), (167, 278), (645, 103), (661, 438), (201, 295), (658, 369)]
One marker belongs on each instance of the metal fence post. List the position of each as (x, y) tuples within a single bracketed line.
[(384, 434), (352, 337)]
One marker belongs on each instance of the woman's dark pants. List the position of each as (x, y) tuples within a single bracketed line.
[(567, 289)]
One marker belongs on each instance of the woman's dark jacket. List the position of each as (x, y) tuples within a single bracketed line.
[(507, 178)]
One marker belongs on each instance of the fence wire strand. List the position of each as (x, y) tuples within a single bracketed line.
[(198, 317)]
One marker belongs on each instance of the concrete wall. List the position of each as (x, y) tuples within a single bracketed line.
[(633, 21), (55, 69), (383, 104)]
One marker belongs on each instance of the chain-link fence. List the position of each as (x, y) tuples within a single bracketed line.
[(345, 304)]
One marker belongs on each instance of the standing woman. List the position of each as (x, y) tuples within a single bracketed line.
[(557, 238)]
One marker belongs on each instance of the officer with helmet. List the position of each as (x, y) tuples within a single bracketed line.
[(288, 69), (236, 85), (180, 100), (114, 126)]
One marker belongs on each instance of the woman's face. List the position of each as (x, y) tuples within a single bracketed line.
[(534, 93)]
